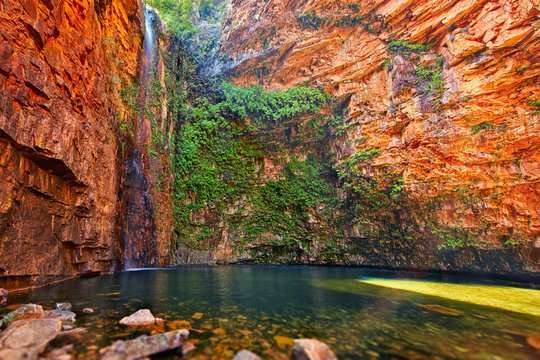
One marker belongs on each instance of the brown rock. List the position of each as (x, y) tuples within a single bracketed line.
[(30, 334), (534, 341), (311, 349), (140, 318), (28, 311), (145, 345)]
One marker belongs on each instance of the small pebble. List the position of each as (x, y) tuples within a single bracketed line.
[(88, 310)]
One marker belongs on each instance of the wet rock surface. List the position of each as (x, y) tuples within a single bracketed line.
[(67, 317), (145, 345)]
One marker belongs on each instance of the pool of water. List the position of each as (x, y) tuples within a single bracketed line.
[(262, 308)]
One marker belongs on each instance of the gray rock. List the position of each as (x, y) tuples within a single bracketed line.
[(29, 335), (145, 345), (67, 317), (246, 355), (63, 306), (311, 349)]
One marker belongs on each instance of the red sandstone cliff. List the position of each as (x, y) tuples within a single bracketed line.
[(60, 63), (469, 150)]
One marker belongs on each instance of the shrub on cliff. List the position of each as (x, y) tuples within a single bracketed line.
[(405, 48)]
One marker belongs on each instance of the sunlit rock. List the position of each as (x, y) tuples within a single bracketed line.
[(140, 318), (311, 349)]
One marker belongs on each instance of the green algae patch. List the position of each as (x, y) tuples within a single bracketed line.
[(526, 301)]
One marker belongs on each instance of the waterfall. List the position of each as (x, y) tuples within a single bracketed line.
[(148, 33), (138, 230)]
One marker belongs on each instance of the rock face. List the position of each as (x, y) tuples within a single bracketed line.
[(446, 134), (63, 68), (58, 164)]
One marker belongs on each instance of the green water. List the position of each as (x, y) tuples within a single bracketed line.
[(262, 308)]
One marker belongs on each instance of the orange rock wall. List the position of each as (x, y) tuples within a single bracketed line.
[(60, 65), (485, 179)]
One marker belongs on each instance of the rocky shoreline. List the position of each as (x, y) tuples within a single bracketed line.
[(27, 333)]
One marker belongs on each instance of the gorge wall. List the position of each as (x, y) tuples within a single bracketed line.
[(61, 66), (384, 133), (436, 158)]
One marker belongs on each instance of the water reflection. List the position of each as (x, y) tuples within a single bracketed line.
[(262, 307)]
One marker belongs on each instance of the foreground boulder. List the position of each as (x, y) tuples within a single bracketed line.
[(25, 339), (246, 355), (146, 345), (140, 318), (311, 349)]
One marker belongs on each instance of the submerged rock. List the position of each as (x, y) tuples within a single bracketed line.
[(246, 355), (534, 341), (442, 309), (28, 336), (146, 345), (88, 311), (311, 349), (59, 354), (4, 294), (140, 318), (67, 317), (76, 331), (63, 306)]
